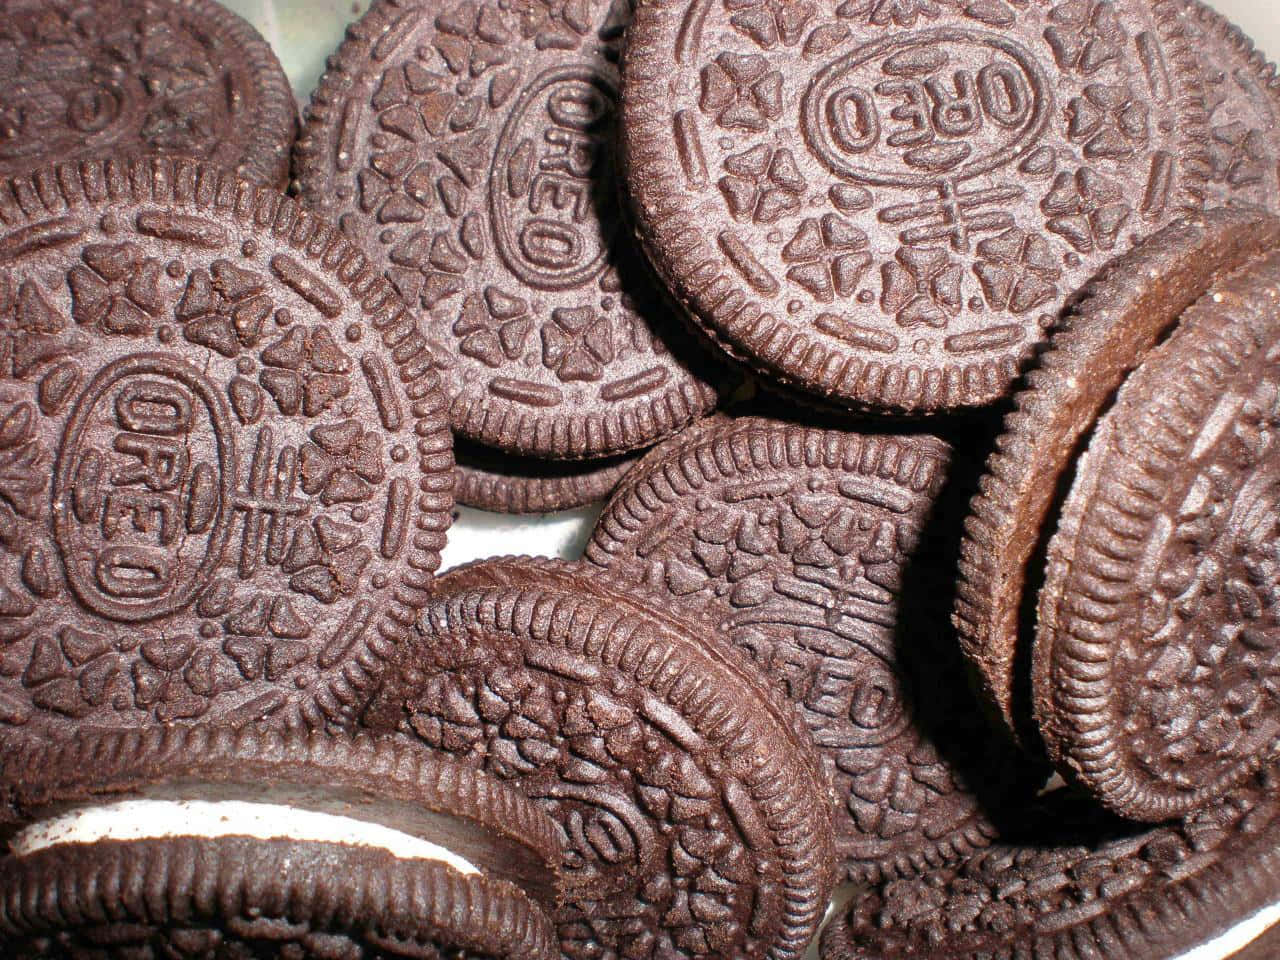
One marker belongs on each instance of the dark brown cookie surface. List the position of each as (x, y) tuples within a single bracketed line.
[(887, 202), (167, 76), (225, 471), (240, 898), (696, 819), (506, 483), (472, 144), (1079, 888), (809, 550), (1121, 317), (1242, 96), (1155, 673)]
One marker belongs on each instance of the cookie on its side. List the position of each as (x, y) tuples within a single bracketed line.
[(1102, 889), (1122, 315), (698, 818), (314, 846), (506, 483), (186, 77)]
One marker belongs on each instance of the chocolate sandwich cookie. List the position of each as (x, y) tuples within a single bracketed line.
[(1242, 96), (182, 77), (505, 483), (207, 842), (697, 818), (1154, 672), (1078, 884), (225, 467), (1119, 318), (813, 553), (888, 202), (471, 145)]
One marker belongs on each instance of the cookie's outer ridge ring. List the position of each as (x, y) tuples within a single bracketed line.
[(525, 614), (76, 188), (606, 434), (717, 455), (1076, 634), (188, 880), (1050, 416), (723, 308)]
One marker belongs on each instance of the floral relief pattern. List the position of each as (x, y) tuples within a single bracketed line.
[(922, 288), (577, 343), (769, 22), (828, 257), (1087, 210), (117, 288), (1085, 35), (1110, 121), (741, 92), (763, 184)]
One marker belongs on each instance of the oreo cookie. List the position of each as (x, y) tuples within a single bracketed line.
[(471, 148), (505, 483), (199, 841), (184, 77), (1079, 883), (888, 202), (817, 555), (225, 467), (696, 815)]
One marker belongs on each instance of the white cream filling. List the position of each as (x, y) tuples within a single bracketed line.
[(165, 819), (1237, 938)]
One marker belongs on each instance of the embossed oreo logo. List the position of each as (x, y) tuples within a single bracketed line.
[(142, 489), (44, 120), (913, 107), (548, 179)]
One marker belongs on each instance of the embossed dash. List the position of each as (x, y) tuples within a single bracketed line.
[(753, 828), (1224, 414), (1153, 66), (560, 662), (1152, 553), (752, 270), (181, 228), (307, 285), (395, 34), (350, 631), (1159, 185), (857, 334), (525, 391), (759, 490), (344, 150), (666, 719), (689, 39), (641, 383), (875, 494), (255, 708), (689, 149), (395, 525), (39, 236), (383, 393), (992, 338)]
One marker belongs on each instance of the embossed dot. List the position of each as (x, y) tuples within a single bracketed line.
[(379, 581), (165, 334), (725, 143), (345, 193), (349, 408), (208, 629), (110, 224), (249, 248), (920, 346), (245, 365), (380, 141), (866, 296), (774, 236), (1071, 260), (560, 696), (1046, 320), (815, 484), (464, 88), (794, 306), (301, 682), (175, 269), (283, 317), (360, 514), (399, 453), (606, 303), (976, 304), (355, 332), (387, 236)]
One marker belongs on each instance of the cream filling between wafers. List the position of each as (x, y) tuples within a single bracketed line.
[(212, 820)]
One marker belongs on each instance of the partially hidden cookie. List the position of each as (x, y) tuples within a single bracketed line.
[(471, 145), (1242, 96), (697, 818), (182, 77), (506, 483), (1155, 672), (225, 467), (205, 842), (815, 554), (1080, 885), (888, 202), (1119, 318)]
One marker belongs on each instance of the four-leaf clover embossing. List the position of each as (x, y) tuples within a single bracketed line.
[(768, 21), (1018, 271), (741, 92), (1110, 120), (116, 287), (763, 184), (922, 287), (1086, 209), (1085, 35), (829, 256), (577, 343), (493, 328)]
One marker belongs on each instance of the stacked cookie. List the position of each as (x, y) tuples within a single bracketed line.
[(924, 351)]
